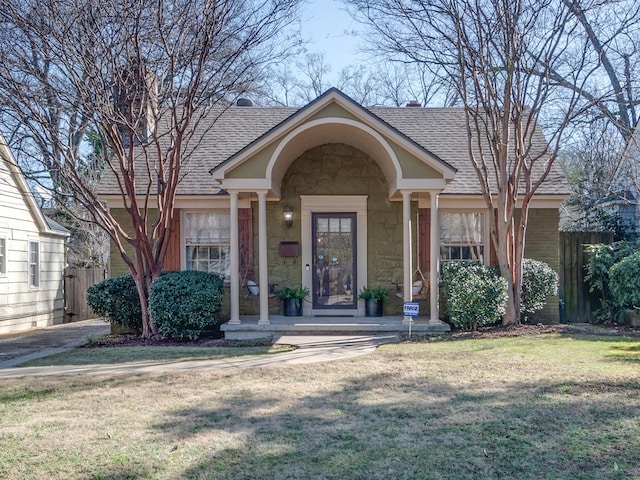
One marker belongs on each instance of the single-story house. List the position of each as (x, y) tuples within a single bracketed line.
[(334, 196), (32, 255)]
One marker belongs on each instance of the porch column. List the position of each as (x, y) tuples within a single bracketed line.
[(406, 250), (434, 273), (235, 260), (262, 260)]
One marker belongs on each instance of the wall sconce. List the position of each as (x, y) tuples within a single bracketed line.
[(288, 216)]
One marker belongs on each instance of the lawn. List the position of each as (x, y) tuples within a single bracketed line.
[(546, 406)]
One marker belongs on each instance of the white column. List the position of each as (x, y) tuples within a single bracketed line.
[(406, 250), (262, 260), (434, 273), (235, 261)]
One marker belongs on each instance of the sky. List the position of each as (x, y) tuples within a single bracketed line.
[(329, 28)]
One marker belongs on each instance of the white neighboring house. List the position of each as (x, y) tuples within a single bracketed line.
[(32, 255)]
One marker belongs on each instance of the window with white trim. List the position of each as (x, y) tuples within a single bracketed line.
[(207, 242), (34, 263), (3, 256), (462, 236)]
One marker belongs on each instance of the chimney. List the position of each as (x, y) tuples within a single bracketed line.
[(413, 103), (135, 95)]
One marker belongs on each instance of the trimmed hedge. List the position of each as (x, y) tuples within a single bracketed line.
[(183, 304), (538, 282), (475, 295), (624, 281), (117, 301)]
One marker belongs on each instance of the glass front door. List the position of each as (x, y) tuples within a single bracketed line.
[(334, 260)]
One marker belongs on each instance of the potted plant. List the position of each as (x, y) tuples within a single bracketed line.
[(373, 300), (292, 299)]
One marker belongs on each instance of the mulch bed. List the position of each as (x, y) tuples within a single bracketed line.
[(483, 332), (529, 330), (138, 341)]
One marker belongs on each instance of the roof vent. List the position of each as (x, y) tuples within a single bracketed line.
[(413, 103), (244, 102)]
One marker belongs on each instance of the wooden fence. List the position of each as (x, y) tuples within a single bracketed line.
[(76, 282), (578, 302)]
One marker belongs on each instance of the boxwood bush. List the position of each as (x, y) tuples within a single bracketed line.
[(183, 304), (538, 282), (624, 281), (117, 301), (475, 295)]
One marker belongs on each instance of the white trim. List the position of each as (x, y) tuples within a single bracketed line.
[(192, 202), (263, 264), (477, 201), (339, 204), (486, 229), (392, 175), (434, 258), (4, 263), (234, 289), (183, 236), (34, 286), (406, 251)]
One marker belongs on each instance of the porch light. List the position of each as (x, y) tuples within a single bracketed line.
[(288, 216)]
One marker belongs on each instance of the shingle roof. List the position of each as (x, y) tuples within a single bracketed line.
[(439, 130)]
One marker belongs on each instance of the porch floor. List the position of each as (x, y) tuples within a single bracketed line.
[(280, 325)]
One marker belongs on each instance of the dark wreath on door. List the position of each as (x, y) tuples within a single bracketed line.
[(334, 260)]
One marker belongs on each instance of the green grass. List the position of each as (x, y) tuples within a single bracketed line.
[(543, 407), (148, 354)]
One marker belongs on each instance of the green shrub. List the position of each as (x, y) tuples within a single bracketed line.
[(183, 304), (117, 301), (475, 295), (538, 282), (600, 258), (624, 281)]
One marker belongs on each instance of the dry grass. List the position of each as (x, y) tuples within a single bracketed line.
[(554, 407)]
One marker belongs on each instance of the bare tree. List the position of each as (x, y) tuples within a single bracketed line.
[(141, 75), (611, 30), (313, 80), (487, 49)]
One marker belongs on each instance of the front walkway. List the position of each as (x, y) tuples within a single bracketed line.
[(250, 328)]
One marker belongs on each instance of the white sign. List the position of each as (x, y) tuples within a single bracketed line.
[(411, 309)]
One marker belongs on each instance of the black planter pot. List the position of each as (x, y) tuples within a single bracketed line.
[(373, 308), (292, 307)]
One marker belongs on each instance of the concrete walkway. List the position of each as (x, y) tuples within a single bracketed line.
[(18, 349)]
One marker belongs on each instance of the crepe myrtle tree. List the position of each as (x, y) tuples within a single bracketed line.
[(140, 75), (488, 50)]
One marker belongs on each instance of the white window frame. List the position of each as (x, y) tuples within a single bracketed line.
[(4, 250), (34, 271), (184, 245), (486, 237)]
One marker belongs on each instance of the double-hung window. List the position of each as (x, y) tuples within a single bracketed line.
[(207, 242), (34, 263), (462, 236), (3, 256)]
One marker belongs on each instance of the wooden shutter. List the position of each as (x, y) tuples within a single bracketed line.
[(172, 255), (424, 240), (245, 243), (493, 255)]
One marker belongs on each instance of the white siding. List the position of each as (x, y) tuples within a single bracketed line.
[(23, 307)]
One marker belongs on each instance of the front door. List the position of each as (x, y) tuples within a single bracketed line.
[(334, 260)]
